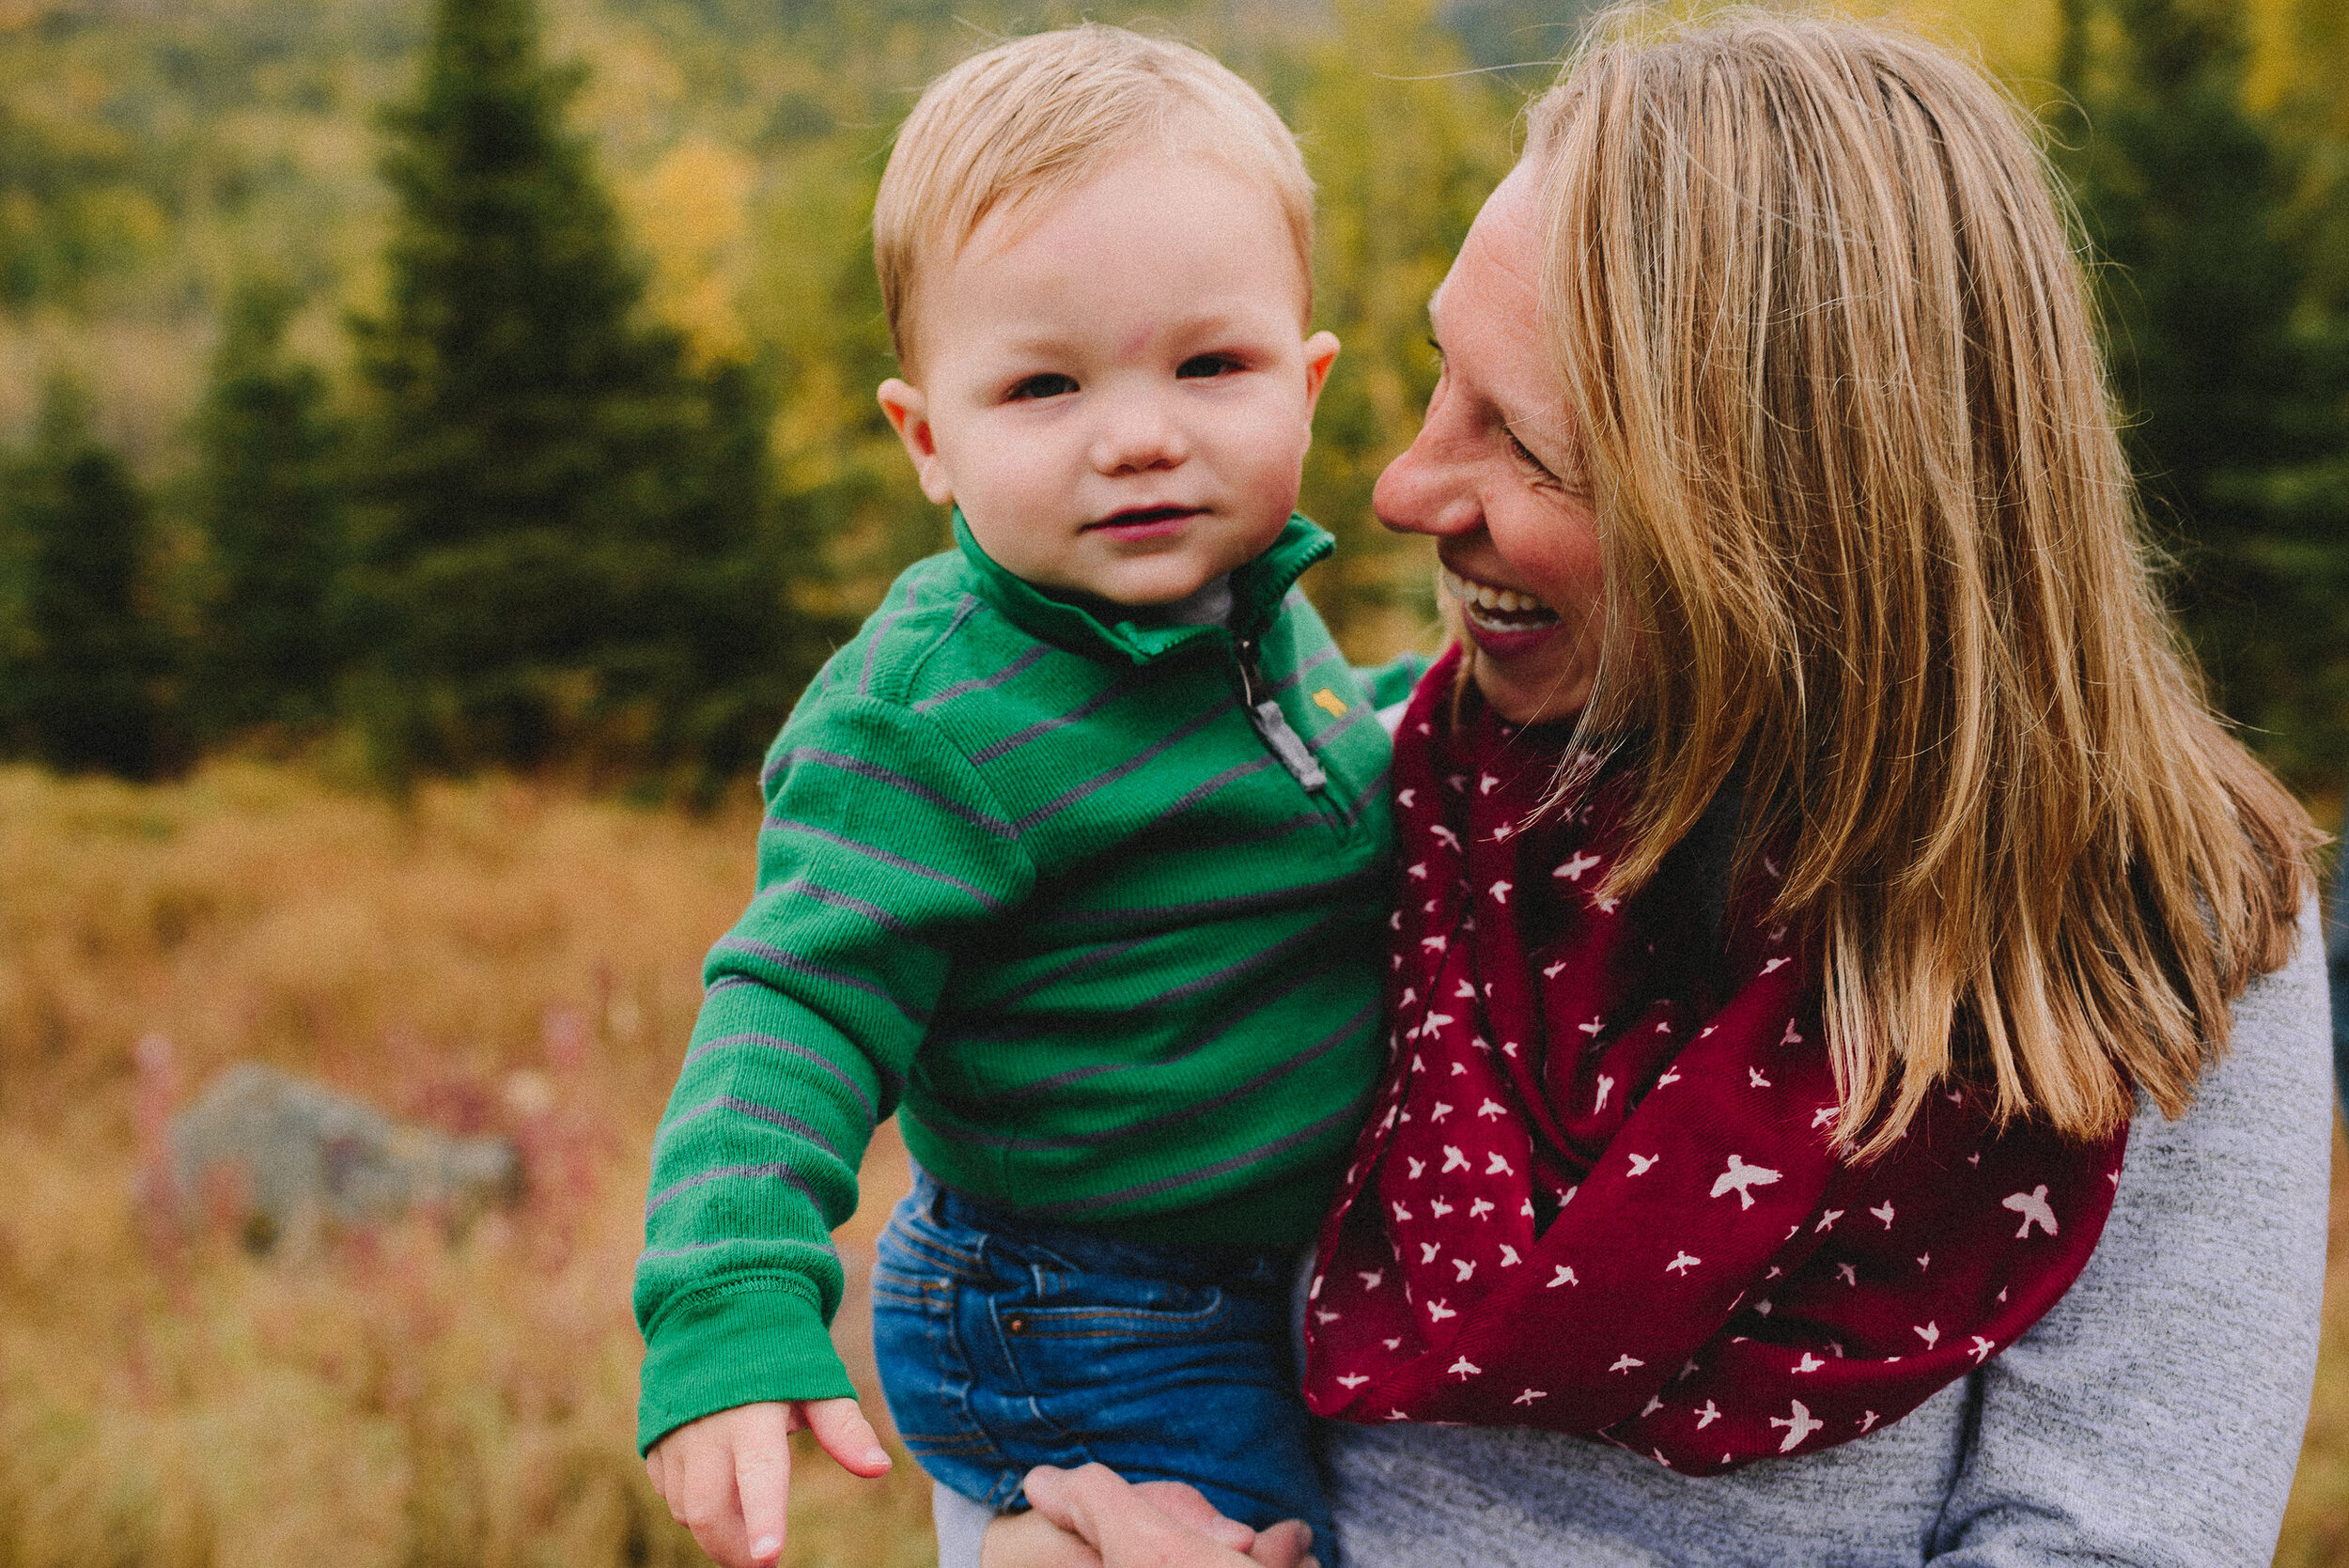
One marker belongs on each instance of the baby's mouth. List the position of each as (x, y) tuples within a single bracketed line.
[(1497, 609), (1143, 517)]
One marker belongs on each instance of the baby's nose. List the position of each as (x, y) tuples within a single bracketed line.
[(1138, 433)]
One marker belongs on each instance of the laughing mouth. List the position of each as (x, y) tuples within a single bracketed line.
[(1494, 609)]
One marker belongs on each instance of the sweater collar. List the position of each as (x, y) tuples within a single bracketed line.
[(1257, 588)]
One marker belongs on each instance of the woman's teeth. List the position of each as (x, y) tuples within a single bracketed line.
[(1498, 609)]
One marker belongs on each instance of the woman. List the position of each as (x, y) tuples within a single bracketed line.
[(1889, 998)]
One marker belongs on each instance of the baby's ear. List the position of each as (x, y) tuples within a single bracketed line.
[(909, 415), (1321, 351)]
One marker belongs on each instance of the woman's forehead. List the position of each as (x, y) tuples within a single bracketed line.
[(1502, 257)]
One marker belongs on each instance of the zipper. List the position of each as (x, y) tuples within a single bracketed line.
[(1272, 725)]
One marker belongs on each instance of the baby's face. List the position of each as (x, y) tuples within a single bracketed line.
[(1116, 388)]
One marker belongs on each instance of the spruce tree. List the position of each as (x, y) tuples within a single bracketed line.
[(561, 556), (2236, 415), (269, 503), (88, 656)]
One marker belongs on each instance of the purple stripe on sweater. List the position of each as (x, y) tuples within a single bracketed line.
[(1354, 716), (1138, 760), (873, 642), (652, 1254), (1316, 662), (1266, 959), (1054, 976), (850, 902), (1297, 824), (661, 1199), (1205, 908), (777, 1043), (788, 825), (1012, 671), (1374, 790), (798, 965), (1175, 1117), (890, 776), (1045, 726), (1347, 1116), (755, 1110), (1198, 793)]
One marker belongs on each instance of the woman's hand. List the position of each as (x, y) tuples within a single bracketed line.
[(1095, 1518)]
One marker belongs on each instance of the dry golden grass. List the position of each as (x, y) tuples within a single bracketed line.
[(490, 956)]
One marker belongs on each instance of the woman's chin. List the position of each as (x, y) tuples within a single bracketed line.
[(1553, 702), (1530, 676)]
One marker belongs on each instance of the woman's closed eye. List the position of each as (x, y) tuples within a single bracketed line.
[(1543, 473), (1048, 383), (1569, 479)]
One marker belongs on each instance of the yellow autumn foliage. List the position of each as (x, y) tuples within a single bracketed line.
[(693, 213)]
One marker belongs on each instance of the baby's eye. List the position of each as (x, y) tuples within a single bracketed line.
[(1200, 365), (1049, 384)]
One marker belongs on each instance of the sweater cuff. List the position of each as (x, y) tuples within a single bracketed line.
[(736, 1346)]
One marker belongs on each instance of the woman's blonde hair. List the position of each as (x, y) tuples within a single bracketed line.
[(1030, 120), (1874, 557)]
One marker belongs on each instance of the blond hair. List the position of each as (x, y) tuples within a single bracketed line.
[(1033, 118), (1873, 558)]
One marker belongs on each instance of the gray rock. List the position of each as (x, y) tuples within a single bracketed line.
[(286, 1154)]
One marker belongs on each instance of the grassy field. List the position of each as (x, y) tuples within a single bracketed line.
[(489, 957)]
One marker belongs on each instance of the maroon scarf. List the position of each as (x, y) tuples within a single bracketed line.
[(1597, 1192)]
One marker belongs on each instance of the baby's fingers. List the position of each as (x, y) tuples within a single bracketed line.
[(762, 1481), (701, 1495), (847, 1435), (655, 1471)]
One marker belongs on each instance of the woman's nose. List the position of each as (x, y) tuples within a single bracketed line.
[(1419, 492), (1137, 434)]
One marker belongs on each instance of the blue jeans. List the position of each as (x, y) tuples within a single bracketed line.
[(1006, 1344)]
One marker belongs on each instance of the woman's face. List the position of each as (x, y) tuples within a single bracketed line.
[(1495, 475)]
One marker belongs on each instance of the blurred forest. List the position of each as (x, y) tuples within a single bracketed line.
[(436, 384)]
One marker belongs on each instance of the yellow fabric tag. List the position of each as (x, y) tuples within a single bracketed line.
[(1330, 700)]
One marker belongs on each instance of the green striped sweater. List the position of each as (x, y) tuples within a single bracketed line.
[(1061, 894)]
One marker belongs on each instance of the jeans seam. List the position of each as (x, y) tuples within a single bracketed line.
[(947, 1377), (945, 1255)]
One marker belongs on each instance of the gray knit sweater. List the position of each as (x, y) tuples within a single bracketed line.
[(2152, 1417)]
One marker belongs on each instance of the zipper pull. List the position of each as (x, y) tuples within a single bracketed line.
[(1273, 724)]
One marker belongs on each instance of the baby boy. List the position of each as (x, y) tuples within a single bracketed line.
[(1076, 858)]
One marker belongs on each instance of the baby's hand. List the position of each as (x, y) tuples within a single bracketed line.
[(727, 1476)]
